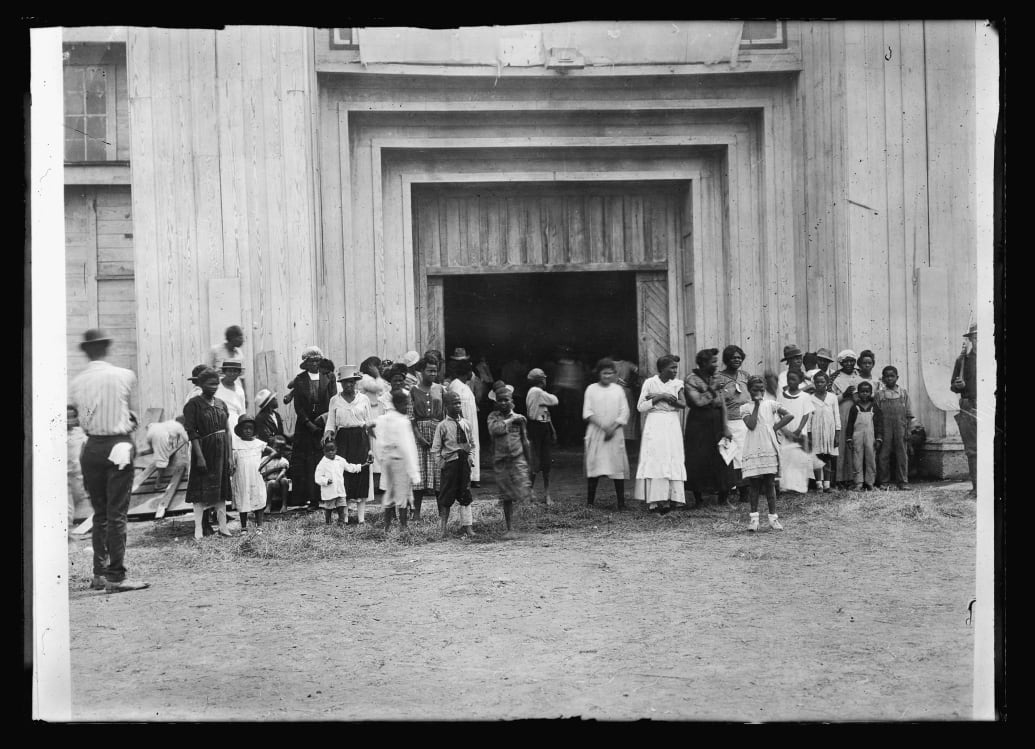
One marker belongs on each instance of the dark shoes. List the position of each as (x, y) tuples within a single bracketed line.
[(125, 586), (98, 583)]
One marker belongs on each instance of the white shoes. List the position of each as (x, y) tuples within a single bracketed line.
[(774, 523), (753, 522)]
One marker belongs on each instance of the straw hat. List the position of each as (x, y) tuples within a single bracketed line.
[(310, 352), (263, 398), (409, 358), (231, 364), (348, 372)]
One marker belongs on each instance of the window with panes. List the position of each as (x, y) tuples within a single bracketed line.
[(89, 112)]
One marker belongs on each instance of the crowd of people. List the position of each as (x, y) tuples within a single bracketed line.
[(400, 431)]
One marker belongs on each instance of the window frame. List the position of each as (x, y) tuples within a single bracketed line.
[(777, 42), (110, 123)]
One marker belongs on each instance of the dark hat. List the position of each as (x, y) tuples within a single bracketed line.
[(459, 354), (241, 422), (970, 331), (196, 371), (790, 351), (92, 336)]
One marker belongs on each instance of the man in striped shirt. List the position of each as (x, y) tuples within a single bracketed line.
[(103, 396)]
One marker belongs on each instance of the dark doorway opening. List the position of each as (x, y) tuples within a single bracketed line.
[(518, 321)]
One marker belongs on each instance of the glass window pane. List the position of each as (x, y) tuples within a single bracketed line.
[(95, 103), (74, 149), (95, 80), (74, 126), (759, 30), (73, 102), (96, 127), (95, 150), (74, 79)]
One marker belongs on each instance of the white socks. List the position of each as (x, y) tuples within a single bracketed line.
[(362, 511)]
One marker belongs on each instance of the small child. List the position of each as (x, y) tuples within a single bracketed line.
[(760, 460), (166, 438), (398, 457), (896, 418), (541, 432), (330, 475), (274, 470), (510, 450), (865, 430), (796, 465), (824, 429), (451, 450), (249, 487)]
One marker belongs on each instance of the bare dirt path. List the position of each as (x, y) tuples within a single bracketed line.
[(856, 611)]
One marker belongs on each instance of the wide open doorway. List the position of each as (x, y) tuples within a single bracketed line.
[(522, 320)]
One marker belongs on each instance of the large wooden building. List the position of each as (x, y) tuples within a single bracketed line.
[(646, 187)]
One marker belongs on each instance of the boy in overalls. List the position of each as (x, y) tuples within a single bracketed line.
[(896, 418), (865, 432)]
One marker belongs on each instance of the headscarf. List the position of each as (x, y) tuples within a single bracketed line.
[(847, 354)]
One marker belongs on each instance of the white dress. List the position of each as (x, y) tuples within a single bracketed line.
[(796, 466), (661, 472), (234, 400), (606, 457), (469, 409), (373, 389), (824, 423), (247, 483)]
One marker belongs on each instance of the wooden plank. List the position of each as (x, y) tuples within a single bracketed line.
[(452, 239), (652, 318), (90, 272), (555, 245), (270, 373), (115, 227), (534, 251), (614, 229), (632, 216), (97, 174), (142, 477), (255, 266), (224, 304), (492, 219), (899, 272), (178, 474), (435, 320), (653, 265), (597, 245), (517, 235), (122, 135), (578, 234)]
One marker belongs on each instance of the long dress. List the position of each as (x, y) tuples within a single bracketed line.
[(796, 465), (247, 483), (839, 383), (705, 468), (469, 409), (346, 422), (824, 423), (426, 410), (661, 472), (207, 421), (735, 392), (605, 457), (311, 400)]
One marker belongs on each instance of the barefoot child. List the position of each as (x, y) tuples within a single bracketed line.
[(761, 462), (247, 482), (205, 420), (510, 450), (330, 477), (393, 438), (541, 433), (824, 429), (605, 409), (896, 418), (865, 430), (451, 450)]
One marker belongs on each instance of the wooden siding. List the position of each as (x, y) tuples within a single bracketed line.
[(223, 188), (492, 229), (99, 273)]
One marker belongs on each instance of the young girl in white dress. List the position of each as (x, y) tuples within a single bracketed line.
[(824, 429), (661, 472), (605, 410), (760, 461), (249, 487), (796, 466)]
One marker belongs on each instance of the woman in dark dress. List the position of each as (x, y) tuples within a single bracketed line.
[(211, 460), (732, 383), (705, 427), (312, 390)]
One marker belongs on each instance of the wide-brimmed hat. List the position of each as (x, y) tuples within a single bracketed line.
[(92, 336), (241, 422), (310, 352), (196, 371), (459, 354), (824, 353), (231, 364), (409, 358), (790, 351), (536, 374), (972, 330), (847, 354), (263, 398), (348, 372)]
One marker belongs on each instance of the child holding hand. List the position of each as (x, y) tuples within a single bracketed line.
[(330, 477), (865, 430), (760, 461)]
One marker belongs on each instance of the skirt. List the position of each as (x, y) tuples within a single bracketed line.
[(354, 445), (429, 476), (739, 431), (705, 468), (661, 472)]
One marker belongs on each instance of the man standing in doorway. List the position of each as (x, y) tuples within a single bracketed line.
[(103, 396), (964, 382), (229, 349)]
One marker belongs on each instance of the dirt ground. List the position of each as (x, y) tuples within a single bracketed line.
[(857, 611)]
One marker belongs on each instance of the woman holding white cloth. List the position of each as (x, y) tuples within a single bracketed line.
[(661, 472), (732, 383)]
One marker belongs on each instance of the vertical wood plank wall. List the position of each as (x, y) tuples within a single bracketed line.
[(888, 148), (223, 187)]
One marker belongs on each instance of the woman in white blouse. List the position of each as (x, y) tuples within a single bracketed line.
[(661, 472)]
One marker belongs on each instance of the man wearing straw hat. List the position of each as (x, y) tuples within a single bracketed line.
[(964, 382), (103, 397)]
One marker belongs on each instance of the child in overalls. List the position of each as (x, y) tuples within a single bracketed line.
[(896, 418), (865, 431)]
